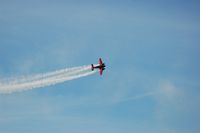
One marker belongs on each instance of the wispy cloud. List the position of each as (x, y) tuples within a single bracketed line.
[(136, 97)]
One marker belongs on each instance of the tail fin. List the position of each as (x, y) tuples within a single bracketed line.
[(92, 67)]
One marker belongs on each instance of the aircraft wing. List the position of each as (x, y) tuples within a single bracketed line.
[(101, 71), (100, 61)]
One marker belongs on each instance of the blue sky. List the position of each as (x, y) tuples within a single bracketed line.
[(151, 50)]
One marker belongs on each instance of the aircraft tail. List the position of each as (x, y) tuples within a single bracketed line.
[(92, 67)]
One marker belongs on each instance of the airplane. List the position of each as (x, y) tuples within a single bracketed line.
[(101, 66)]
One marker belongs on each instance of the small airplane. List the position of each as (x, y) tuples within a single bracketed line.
[(101, 66)]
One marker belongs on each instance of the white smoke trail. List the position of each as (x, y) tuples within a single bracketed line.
[(42, 75), (45, 79)]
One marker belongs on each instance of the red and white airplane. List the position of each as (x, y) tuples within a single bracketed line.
[(101, 66)]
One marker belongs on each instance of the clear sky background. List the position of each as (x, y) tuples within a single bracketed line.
[(151, 49)]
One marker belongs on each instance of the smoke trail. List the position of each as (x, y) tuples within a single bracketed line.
[(45, 79)]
